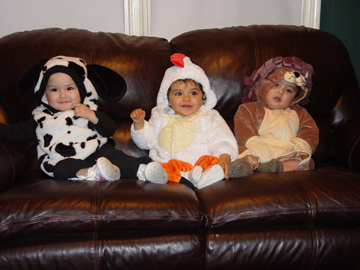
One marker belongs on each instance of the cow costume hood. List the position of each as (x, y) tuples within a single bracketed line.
[(76, 69), (61, 134), (91, 80)]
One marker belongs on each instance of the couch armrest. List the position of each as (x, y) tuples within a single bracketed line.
[(344, 145), (14, 160)]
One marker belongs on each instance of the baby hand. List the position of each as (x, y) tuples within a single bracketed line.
[(225, 167), (137, 115), (224, 162), (85, 112)]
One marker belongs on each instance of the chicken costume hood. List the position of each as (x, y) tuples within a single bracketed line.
[(184, 69)]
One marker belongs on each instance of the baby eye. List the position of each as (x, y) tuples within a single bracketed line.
[(277, 85), (53, 90), (194, 93), (70, 88), (177, 93), (290, 91)]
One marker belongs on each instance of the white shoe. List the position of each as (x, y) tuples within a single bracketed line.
[(211, 176), (103, 170), (195, 175), (153, 173)]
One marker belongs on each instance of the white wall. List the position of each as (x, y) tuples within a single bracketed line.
[(94, 15), (168, 18)]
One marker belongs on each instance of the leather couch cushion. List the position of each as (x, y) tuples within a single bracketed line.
[(123, 249), (321, 195), (49, 206), (290, 246)]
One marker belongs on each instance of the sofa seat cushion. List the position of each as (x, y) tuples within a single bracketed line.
[(321, 195), (44, 206), (290, 246), (122, 249)]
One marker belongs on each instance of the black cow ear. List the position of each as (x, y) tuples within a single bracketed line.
[(109, 85), (28, 80)]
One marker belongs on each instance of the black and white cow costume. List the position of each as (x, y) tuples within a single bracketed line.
[(61, 134)]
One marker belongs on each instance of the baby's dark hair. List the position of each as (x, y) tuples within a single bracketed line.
[(298, 89), (185, 81)]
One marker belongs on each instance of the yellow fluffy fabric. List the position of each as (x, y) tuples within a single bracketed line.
[(179, 133)]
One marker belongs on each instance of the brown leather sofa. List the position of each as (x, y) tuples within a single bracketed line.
[(295, 220)]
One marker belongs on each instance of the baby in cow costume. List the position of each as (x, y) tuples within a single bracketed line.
[(273, 132), (74, 138)]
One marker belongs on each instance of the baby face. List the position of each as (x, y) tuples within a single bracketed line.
[(185, 98), (61, 92), (281, 95)]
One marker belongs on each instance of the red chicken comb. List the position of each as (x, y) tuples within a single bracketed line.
[(178, 59)]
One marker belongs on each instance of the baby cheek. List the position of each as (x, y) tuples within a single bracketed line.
[(48, 97)]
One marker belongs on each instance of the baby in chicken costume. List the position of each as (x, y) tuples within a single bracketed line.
[(186, 137), (273, 132)]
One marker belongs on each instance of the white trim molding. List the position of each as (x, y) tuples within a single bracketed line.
[(137, 17), (310, 13)]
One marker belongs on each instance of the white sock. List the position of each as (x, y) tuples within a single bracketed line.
[(193, 175), (152, 172), (211, 176), (141, 172)]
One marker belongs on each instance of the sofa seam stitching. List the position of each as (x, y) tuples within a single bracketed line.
[(315, 246), (312, 201), (256, 47)]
